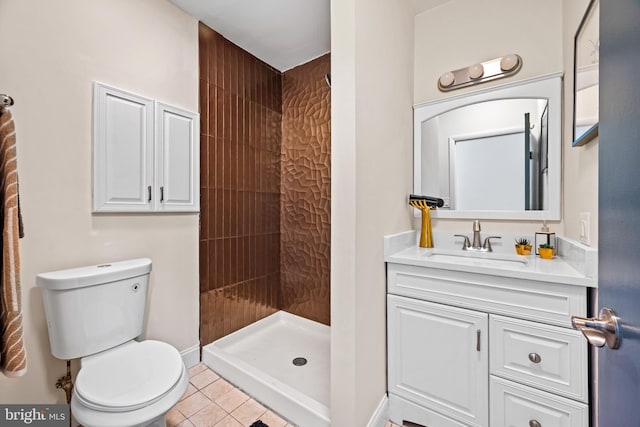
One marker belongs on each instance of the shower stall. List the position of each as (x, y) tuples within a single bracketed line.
[(265, 227)]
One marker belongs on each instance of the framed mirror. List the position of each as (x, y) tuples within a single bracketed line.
[(492, 154), (586, 87)]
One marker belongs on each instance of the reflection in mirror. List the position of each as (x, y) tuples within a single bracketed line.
[(494, 144), (492, 154)]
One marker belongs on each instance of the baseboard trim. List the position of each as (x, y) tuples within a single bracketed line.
[(381, 415), (191, 355)]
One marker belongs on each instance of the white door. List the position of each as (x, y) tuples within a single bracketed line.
[(438, 358)]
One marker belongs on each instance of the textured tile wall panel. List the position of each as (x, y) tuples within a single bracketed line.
[(305, 184), (240, 113)]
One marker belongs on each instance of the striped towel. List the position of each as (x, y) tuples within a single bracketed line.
[(13, 357)]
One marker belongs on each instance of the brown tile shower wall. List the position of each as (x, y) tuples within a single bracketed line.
[(241, 113), (306, 183)]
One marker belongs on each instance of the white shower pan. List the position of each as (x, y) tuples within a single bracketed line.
[(283, 362)]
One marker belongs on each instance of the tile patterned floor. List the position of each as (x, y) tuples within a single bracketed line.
[(210, 401)]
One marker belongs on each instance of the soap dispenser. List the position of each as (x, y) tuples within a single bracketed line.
[(544, 237)]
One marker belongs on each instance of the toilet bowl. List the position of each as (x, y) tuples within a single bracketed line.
[(134, 384), (95, 313)]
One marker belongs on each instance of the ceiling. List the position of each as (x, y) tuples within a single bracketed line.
[(282, 33)]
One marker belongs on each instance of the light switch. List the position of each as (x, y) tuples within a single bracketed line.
[(585, 227)]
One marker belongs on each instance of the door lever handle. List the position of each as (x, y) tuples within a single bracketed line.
[(600, 331)]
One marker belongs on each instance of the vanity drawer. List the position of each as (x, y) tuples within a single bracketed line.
[(534, 300), (544, 356), (514, 405)]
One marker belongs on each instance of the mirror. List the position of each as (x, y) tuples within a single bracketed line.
[(492, 154), (586, 81)]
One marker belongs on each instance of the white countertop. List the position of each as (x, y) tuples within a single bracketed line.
[(577, 268)]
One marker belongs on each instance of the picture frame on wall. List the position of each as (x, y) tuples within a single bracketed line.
[(586, 76)]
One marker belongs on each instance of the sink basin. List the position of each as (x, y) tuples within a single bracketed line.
[(486, 259)]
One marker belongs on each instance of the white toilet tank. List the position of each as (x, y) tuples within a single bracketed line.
[(91, 309)]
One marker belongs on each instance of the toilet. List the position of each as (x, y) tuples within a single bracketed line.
[(95, 313)]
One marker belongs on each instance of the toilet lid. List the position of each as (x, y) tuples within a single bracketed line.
[(129, 376)]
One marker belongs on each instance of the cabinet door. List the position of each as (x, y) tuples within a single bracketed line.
[(122, 151), (438, 358), (177, 159)]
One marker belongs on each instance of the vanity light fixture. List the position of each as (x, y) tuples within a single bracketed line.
[(481, 72)]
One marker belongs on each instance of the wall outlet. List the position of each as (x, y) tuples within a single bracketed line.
[(585, 228)]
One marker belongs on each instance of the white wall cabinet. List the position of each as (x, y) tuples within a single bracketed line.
[(145, 154), (468, 349)]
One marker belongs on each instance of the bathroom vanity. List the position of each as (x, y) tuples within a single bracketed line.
[(486, 339)]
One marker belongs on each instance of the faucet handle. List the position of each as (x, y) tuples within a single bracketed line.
[(487, 243), (466, 243)]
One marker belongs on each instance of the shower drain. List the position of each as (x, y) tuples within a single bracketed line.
[(299, 361)]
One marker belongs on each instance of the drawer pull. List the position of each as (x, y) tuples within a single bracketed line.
[(534, 423), (535, 358)]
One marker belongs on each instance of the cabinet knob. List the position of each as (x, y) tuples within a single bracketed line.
[(535, 358), (534, 423)]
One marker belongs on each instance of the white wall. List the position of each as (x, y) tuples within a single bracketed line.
[(580, 164), (464, 32), (458, 34), (51, 52), (372, 94), (371, 150)]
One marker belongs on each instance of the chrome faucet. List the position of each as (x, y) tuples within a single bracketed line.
[(476, 246)]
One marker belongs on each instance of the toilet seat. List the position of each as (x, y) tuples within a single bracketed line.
[(128, 377)]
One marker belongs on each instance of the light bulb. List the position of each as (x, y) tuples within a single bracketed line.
[(509, 62), (447, 79), (476, 71)]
